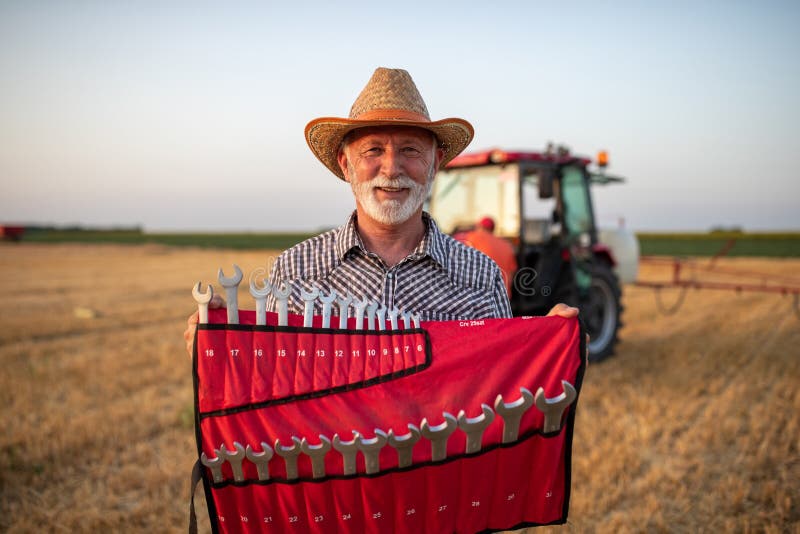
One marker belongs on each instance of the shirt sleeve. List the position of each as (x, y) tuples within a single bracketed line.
[(500, 297), (275, 278)]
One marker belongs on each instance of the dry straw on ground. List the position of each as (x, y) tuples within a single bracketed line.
[(692, 426)]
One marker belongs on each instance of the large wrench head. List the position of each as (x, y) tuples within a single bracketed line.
[(234, 280), (281, 291), (309, 295), (327, 299), (266, 287), (202, 298)]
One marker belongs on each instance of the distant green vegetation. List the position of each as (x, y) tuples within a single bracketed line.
[(783, 244), (134, 237)]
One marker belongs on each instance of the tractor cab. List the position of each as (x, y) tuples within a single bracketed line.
[(541, 202)]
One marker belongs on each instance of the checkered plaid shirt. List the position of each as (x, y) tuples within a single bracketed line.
[(441, 279)]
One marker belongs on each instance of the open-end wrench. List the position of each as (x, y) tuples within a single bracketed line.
[(360, 306), (380, 315), (308, 311), (371, 449), (393, 313), (231, 286), (317, 454), (554, 408), (289, 455), (406, 320), (416, 318), (260, 294), (512, 413), (344, 304), (473, 427), (261, 459), (281, 293), (327, 302), (215, 465), (202, 302), (234, 458), (348, 450), (371, 307), (404, 445), (438, 435)]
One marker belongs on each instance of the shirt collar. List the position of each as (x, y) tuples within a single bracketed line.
[(432, 243)]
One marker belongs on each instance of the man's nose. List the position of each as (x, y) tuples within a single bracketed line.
[(391, 164)]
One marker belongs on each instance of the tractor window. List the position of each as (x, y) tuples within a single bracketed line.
[(575, 195), (462, 196), (537, 220)]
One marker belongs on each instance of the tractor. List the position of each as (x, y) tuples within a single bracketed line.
[(542, 203)]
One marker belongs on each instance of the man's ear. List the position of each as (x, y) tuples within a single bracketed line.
[(341, 157), (439, 157)]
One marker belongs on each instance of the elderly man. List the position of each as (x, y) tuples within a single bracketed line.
[(389, 250)]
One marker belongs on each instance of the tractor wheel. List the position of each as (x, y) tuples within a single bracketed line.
[(600, 312)]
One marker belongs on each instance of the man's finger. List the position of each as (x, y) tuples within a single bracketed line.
[(562, 310), (216, 301)]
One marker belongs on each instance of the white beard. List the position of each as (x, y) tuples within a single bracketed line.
[(391, 212)]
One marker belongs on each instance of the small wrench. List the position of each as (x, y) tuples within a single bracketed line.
[(393, 313), (554, 408), (308, 311), (317, 454), (215, 465), (327, 302), (260, 294), (371, 449), (344, 304), (289, 455), (404, 445), (473, 427), (406, 320), (416, 317), (261, 459), (348, 450), (438, 435), (231, 286), (380, 314), (281, 293), (202, 302), (371, 307), (360, 306), (234, 458), (512, 413)]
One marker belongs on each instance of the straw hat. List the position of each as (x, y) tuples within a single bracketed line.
[(390, 98)]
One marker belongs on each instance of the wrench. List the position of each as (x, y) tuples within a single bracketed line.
[(416, 317), (317, 454), (348, 450), (371, 449), (344, 303), (260, 294), (381, 316), (473, 427), (327, 301), (231, 286), (554, 408), (371, 307), (406, 320), (308, 311), (512, 413), (261, 459), (393, 313), (360, 306), (438, 435), (289, 455), (202, 302), (404, 445), (281, 293), (215, 465), (234, 458)]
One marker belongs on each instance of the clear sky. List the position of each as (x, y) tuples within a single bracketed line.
[(190, 115)]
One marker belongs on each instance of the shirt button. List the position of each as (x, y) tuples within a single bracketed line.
[(389, 275)]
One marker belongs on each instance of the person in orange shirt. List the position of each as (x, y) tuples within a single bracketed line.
[(500, 250)]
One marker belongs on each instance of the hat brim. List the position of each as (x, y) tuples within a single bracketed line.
[(324, 136)]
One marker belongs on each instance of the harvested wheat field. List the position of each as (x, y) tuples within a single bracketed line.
[(692, 426)]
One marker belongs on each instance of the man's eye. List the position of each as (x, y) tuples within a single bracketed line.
[(411, 151), (374, 151)]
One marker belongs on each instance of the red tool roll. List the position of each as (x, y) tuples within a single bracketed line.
[(258, 384)]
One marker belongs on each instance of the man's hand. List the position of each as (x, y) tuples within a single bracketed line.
[(188, 334), (561, 310)]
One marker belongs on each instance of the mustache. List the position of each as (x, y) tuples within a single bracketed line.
[(400, 181)]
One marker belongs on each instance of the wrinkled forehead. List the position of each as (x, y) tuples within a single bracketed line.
[(390, 133)]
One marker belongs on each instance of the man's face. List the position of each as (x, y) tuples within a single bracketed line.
[(390, 170)]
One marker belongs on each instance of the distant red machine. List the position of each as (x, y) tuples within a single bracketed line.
[(11, 233)]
